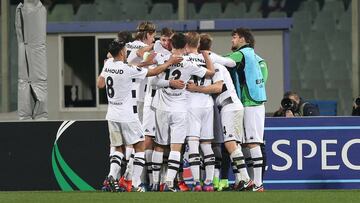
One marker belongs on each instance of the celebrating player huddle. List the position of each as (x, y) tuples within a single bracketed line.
[(177, 94)]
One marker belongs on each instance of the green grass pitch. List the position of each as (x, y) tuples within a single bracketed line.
[(313, 196)]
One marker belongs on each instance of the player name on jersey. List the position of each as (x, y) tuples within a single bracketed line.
[(113, 71), (171, 93), (176, 65), (115, 103), (198, 60), (132, 46)]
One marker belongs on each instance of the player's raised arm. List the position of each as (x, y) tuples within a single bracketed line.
[(158, 82), (100, 82), (148, 61), (161, 68), (141, 52), (210, 89), (209, 64), (228, 62)]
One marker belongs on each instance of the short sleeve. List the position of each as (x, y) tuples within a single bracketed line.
[(236, 56), (264, 70), (132, 56), (157, 46), (218, 76), (136, 72)]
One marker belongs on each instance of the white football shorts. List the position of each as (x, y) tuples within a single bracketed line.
[(171, 127), (232, 122), (201, 123), (254, 122), (125, 133), (140, 109), (149, 124)]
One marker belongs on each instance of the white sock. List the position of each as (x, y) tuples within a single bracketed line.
[(217, 173), (128, 152), (129, 156), (209, 162), (115, 164), (218, 159), (248, 162), (112, 150), (194, 159), (156, 160), (148, 158), (129, 168), (139, 163), (238, 160), (164, 168), (163, 172), (257, 158), (173, 167)]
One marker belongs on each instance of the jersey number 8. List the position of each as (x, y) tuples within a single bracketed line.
[(109, 87)]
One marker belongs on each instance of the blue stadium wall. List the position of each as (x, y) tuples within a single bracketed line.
[(306, 153)]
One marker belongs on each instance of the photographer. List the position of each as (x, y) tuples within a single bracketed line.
[(356, 107), (293, 106)]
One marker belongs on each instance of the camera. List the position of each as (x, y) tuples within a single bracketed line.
[(288, 104), (357, 101), (356, 107)]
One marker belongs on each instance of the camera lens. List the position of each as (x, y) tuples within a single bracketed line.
[(357, 101), (287, 103)]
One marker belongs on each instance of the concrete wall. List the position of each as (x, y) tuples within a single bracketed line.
[(55, 87)]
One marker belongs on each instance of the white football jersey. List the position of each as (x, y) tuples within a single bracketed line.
[(150, 89), (158, 48), (134, 59), (131, 49), (118, 78), (196, 99), (228, 89), (175, 100)]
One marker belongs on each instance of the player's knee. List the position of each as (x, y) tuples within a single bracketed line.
[(139, 147)]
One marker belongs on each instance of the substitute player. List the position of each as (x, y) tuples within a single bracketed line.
[(249, 78)]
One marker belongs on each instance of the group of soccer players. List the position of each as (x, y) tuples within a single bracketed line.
[(172, 92)]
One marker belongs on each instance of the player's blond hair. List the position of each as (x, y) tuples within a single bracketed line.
[(193, 39), (143, 28)]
